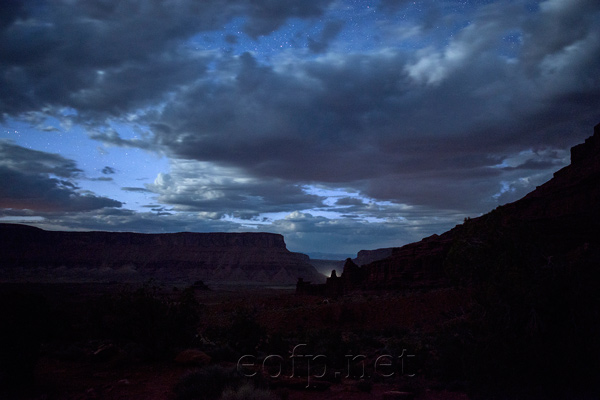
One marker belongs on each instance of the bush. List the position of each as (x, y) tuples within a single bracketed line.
[(147, 319), (206, 384), (364, 386), (245, 334), (537, 306), (247, 392), (24, 320)]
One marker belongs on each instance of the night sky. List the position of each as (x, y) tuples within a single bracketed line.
[(343, 125)]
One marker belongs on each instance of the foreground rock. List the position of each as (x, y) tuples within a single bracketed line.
[(193, 357), (32, 254)]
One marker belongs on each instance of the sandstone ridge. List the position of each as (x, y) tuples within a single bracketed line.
[(29, 253), (552, 222), (557, 222)]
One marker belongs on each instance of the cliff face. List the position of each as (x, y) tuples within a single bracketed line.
[(414, 265), (368, 256), (557, 220), (27, 252)]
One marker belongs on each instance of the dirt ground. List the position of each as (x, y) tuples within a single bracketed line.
[(278, 311)]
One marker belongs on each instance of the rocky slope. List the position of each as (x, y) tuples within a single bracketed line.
[(551, 222), (530, 271), (28, 253), (368, 256)]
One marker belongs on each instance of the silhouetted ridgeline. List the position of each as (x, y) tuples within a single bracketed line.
[(554, 222), (28, 253)]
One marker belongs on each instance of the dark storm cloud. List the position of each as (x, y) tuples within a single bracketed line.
[(135, 189), (280, 125), (123, 220), (116, 56), (532, 165), (423, 128), (219, 191), (330, 31), (112, 137), (28, 183), (36, 162), (349, 201), (231, 39), (311, 233), (43, 194), (267, 15), (10, 10), (563, 24)]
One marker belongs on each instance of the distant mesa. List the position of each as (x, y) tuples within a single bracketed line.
[(35, 255)]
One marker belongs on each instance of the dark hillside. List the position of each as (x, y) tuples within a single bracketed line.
[(533, 267)]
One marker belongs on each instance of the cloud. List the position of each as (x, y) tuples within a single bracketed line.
[(477, 44), (123, 220), (42, 182), (316, 234), (121, 55), (111, 137), (226, 191), (560, 24), (349, 201), (108, 170), (231, 39), (20, 158), (9, 12), (282, 125), (39, 193), (266, 16), (135, 189), (330, 31), (425, 128)]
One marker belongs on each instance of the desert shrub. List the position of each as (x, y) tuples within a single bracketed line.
[(329, 342), (369, 340), (536, 309), (364, 385), (24, 324), (245, 333), (223, 353), (183, 317), (241, 335), (206, 384), (247, 392), (277, 344), (145, 318), (452, 353), (282, 393)]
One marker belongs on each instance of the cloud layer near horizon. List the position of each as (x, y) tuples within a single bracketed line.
[(264, 108)]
